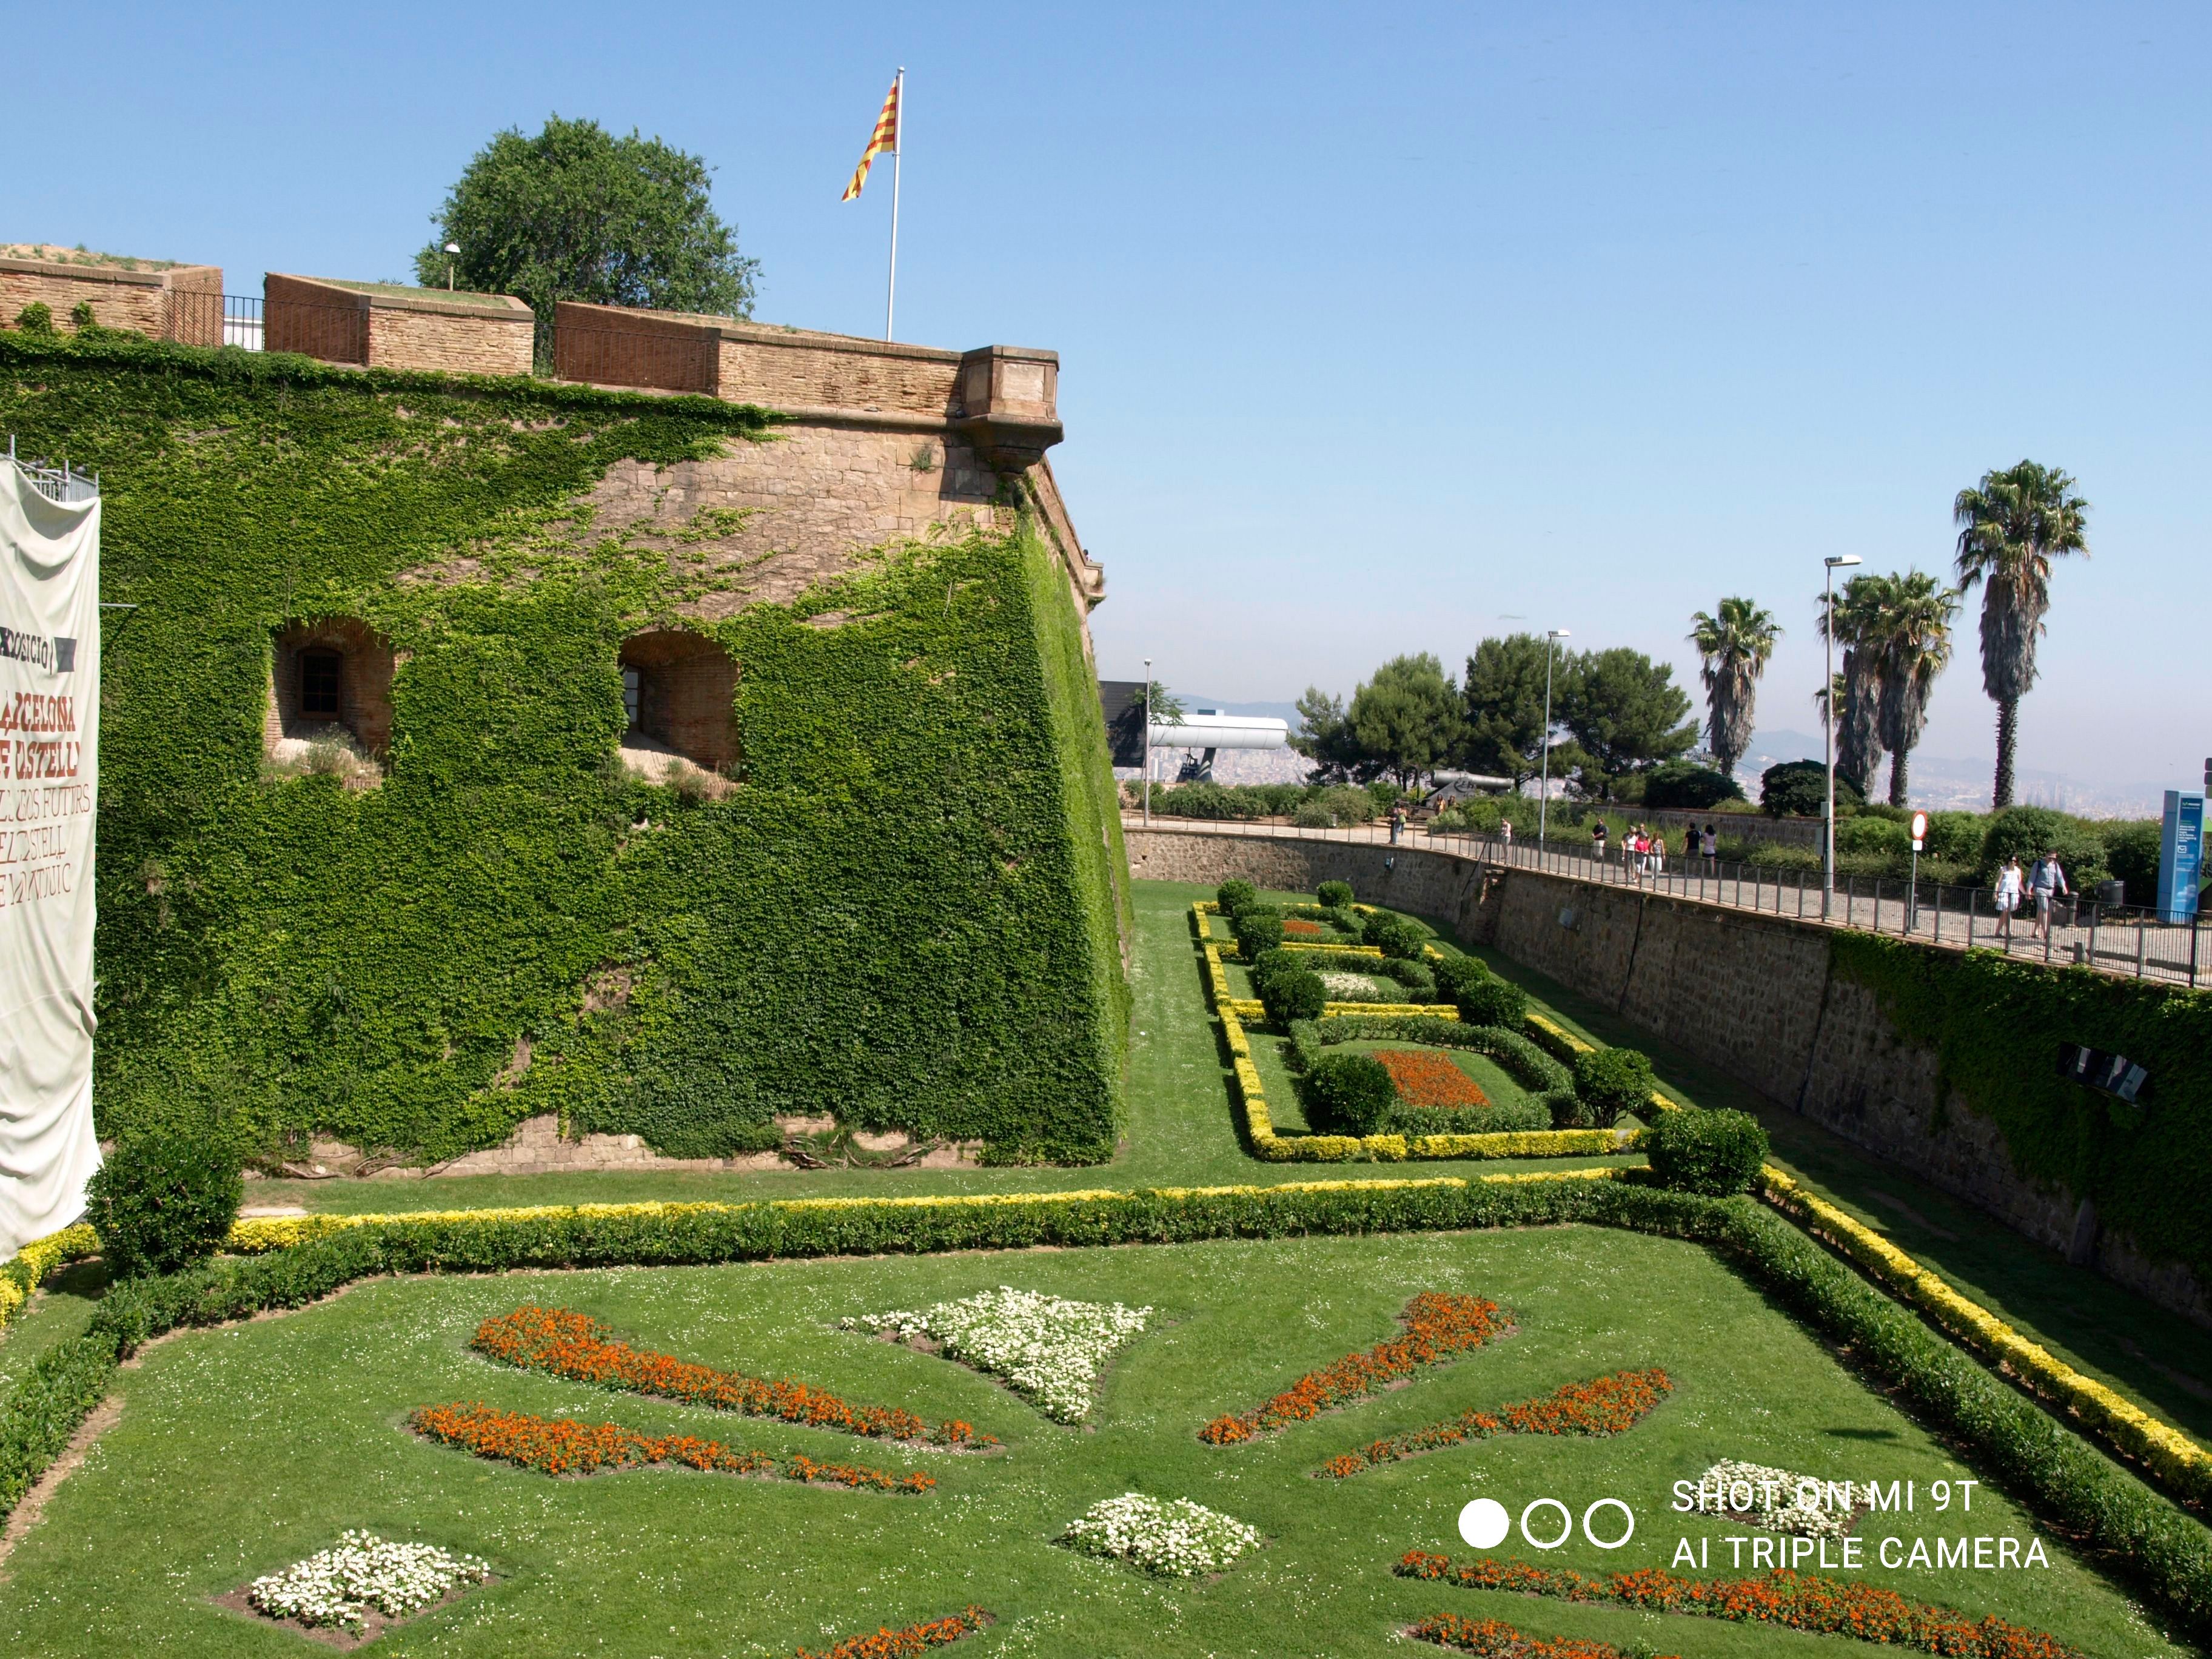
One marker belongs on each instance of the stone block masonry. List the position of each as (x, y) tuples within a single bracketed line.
[(379, 326), (1752, 995)]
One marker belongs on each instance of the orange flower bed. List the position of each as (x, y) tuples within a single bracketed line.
[(1493, 1640), (1830, 1607), (577, 1347), (561, 1445), (1604, 1404), (1425, 1078), (1438, 1327), (889, 1643), (1299, 927)]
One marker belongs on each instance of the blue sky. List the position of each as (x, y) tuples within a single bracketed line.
[(1380, 328)]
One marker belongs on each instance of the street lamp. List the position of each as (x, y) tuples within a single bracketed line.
[(1839, 561), (1148, 743), (452, 250), (1544, 787)]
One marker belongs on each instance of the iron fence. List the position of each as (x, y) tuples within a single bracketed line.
[(57, 483), (2126, 939)]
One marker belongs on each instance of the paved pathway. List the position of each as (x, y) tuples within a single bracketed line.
[(2128, 944)]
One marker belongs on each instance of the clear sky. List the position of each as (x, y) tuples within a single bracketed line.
[(1381, 328)]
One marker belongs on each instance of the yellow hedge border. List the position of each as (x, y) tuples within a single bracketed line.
[(2178, 1459)]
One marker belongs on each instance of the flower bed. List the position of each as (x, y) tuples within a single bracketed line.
[(1828, 1607), (889, 1643), (1603, 1406), (1176, 1539), (561, 1445), (1438, 1327), (362, 1574), (1353, 988), (1424, 1078), (1493, 1640), (578, 1347), (1758, 1508), (1299, 927), (1047, 1349)]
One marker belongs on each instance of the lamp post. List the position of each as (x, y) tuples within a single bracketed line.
[(1148, 743), (452, 249), (1544, 786), (1839, 561)]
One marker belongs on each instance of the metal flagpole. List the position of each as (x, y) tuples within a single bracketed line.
[(898, 153)]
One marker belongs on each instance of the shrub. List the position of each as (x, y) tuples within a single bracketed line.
[(81, 316), (1351, 1094), (1234, 895), (1452, 972), (1490, 1000), (2026, 831), (1864, 833), (1207, 801), (36, 318), (1953, 837), (1680, 783), (2132, 853), (1334, 895), (1712, 1152), (163, 1201), (1611, 1081), (1799, 789), (1781, 856), (1395, 936), (1314, 816), (1337, 807), (1259, 929)]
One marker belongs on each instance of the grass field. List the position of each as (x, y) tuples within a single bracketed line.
[(242, 1449)]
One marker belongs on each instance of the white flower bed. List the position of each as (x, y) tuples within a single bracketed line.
[(1777, 1499), (1179, 1538), (1046, 1348), (1353, 988), (339, 1585)]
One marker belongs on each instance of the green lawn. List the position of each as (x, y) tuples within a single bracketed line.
[(240, 1450)]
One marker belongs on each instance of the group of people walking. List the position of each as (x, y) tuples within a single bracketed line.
[(1644, 850), (2042, 884)]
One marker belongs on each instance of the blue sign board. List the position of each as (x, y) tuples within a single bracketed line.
[(2181, 856)]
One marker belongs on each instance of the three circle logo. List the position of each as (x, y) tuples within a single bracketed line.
[(1485, 1522)]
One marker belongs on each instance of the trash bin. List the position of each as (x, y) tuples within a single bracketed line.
[(2112, 893)]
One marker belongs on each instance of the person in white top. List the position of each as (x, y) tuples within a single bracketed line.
[(2010, 885)]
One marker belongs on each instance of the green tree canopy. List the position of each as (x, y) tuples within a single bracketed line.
[(1626, 714), (1323, 735), (1406, 720), (1734, 645), (1503, 698), (576, 213)]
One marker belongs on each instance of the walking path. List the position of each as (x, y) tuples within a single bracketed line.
[(2131, 945)]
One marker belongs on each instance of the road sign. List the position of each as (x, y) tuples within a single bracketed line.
[(1919, 830)]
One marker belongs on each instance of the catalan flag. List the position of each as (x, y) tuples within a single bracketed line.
[(883, 139)]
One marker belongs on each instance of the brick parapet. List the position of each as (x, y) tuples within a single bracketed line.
[(142, 301), (424, 329)]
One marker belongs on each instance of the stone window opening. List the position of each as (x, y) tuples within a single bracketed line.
[(329, 705), (678, 689)]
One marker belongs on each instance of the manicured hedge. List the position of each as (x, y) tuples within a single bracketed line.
[(908, 909), (2042, 1463), (1548, 1082)]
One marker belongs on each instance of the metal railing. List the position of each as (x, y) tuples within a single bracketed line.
[(2125, 939), (57, 483)]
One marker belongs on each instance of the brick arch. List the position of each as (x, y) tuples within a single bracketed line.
[(331, 675), (679, 688)]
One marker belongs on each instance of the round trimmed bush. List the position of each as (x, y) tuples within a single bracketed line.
[(163, 1201), (1490, 1000), (1715, 1153), (1611, 1081), (1334, 895), (1258, 929), (1454, 971), (1396, 936), (1234, 895), (1292, 993), (1351, 1094)]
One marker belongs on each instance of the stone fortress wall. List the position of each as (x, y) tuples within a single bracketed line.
[(1750, 994)]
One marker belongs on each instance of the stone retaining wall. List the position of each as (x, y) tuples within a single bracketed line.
[(1749, 993)]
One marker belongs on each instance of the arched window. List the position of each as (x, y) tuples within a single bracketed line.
[(678, 688), (330, 683)]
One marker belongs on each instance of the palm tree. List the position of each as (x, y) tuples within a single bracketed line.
[(1858, 720), (1734, 646), (1909, 645), (2012, 524)]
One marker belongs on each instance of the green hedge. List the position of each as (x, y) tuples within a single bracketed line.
[(907, 912), (2037, 1458), (1551, 1087), (1997, 1026)]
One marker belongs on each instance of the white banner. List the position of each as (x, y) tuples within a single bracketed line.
[(49, 775)]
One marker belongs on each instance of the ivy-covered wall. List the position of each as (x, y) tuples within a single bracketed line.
[(1997, 1026), (904, 915)]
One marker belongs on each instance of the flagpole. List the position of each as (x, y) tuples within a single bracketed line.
[(898, 153)]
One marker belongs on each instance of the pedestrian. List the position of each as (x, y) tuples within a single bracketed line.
[(1712, 849), (1505, 836), (2007, 894), (2045, 881), (1658, 854), (1397, 823), (1597, 840)]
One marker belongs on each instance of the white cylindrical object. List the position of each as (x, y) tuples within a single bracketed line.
[(1222, 731)]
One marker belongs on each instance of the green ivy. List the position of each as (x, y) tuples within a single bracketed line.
[(905, 915), (1996, 1027)]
